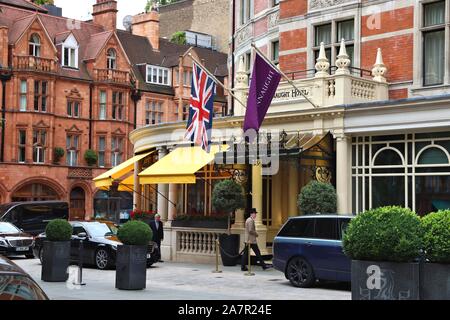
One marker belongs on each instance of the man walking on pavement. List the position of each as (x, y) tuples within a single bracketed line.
[(250, 237), (158, 232)]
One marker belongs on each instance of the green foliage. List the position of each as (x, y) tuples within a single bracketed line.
[(384, 234), (437, 236), (135, 233), (91, 157), (41, 2), (317, 197), (178, 37), (149, 5), (58, 230), (227, 196), (58, 153)]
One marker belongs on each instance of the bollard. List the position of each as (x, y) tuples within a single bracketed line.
[(249, 272), (80, 265), (217, 258)]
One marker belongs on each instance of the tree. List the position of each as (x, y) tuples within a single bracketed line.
[(227, 197), (317, 197), (151, 3), (178, 37)]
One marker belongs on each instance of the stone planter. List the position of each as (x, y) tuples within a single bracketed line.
[(229, 249), (56, 260), (200, 224), (377, 280), (131, 267), (434, 281)]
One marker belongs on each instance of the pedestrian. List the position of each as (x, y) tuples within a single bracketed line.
[(250, 237), (158, 232)]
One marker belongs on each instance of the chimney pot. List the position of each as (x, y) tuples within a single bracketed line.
[(105, 14)]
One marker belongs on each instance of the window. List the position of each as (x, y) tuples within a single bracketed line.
[(153, 112), (70, 57), (246, 11), (22, 146), (116, 151), (23, 95), (298, 228), (118, 106), (102, 113), (331, 35), (111, 59), (39, 145), (326, 229), (72, 145), (433, 43), (159, 75), (101, 151), (275, 52), (187, 78), (40, 96), (35, 46), (186, 108), (73, 109)]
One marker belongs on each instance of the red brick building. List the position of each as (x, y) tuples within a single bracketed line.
[(78, 86)]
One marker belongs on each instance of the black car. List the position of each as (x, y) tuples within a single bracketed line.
[(15, 242), (16, 284), (99, 245)]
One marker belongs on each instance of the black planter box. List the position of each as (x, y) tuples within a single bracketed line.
[(56, 259), (434, 281), (200, 224), (229, 249), (376, 280), (131, 267)]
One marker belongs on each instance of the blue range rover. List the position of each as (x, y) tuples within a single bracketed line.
[(308, 248)]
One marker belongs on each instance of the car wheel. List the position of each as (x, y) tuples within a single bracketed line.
[(300, 273), (102, 259), (29, 256), (41, 255)]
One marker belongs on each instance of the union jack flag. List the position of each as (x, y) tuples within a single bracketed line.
[(203, 89)]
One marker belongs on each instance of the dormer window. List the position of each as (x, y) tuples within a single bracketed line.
[(70, 52), (111, 59), (158, 75), (35, 46)]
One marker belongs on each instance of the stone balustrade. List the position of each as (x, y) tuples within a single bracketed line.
[(112, 75), (34, 63)]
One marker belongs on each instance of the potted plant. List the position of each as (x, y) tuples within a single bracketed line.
[(317, 197), (58, 153), (435, 272), (131, 260), (56, 254), (384, 245), (227, 197), (91, 157)]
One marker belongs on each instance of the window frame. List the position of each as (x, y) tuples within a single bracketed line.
[(111, 59), (22, 146), (103, 106), (159, 75), (23, 96), (72, 150), (71, 107), (39, 147), (70, 64), (118, 106), (101, 152), (154, 111), (41, 96), (117, 146), (34, 48)]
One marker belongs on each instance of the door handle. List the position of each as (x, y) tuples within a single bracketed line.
[(309, 244)]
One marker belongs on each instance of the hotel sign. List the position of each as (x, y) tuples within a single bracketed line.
[(290, 95)]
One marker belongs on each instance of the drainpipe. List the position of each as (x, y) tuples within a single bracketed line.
[(136, 96), (4, 77), (91, 89)]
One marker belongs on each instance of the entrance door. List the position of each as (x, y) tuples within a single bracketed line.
[(77, 204)]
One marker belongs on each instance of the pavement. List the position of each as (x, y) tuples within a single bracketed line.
[(185, 281)]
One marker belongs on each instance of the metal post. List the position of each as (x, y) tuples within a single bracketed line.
[(249, 272), (80, 264), (217, 258)]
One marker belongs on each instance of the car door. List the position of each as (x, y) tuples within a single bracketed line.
[(75, 241)]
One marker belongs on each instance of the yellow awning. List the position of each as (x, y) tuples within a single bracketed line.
[(106, 179), (127, 184), (179, 166)]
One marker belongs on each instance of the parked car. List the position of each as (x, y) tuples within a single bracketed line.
[(308, 248), (16, 284), (32, 217), (15, 242), (99, 245)]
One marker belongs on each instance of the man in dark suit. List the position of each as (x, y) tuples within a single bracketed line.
[(158, 232)]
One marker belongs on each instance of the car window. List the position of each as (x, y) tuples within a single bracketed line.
[(8, 228), (342, 225), (298, 228), (17, 287), (326, 229), (98, 230), (77, 230)]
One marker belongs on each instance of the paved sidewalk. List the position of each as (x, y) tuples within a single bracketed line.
[(183, 281)]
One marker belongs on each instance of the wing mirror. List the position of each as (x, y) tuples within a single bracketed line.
[(82, 235)]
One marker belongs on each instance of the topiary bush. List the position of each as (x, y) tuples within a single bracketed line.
[(317, 197), (384, 234), (227, 196), (135, 233), (58, 230), (58, 153), (91, 157), (437, 236)]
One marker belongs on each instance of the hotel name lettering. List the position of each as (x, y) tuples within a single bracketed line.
[(294, 94)]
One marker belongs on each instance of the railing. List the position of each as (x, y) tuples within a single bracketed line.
[(80, 173), (357, 72), (34, 63), (112, 75), (197, 242)]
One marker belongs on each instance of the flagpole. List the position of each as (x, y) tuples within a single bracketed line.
[(283, 74), (215, 79)]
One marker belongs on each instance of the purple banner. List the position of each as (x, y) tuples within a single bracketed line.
[(264, 84)]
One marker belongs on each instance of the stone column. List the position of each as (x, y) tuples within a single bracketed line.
[(257, 203), (163, 192), (293, 189), (137, 204), (343, 173), (173, 196)]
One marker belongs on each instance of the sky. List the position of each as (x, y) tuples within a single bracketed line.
[(82, 9)]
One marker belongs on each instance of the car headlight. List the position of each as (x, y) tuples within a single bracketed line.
[(3, 243), (114, 247)]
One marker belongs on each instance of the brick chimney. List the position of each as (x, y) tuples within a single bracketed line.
[(105, 14), (147, 25)]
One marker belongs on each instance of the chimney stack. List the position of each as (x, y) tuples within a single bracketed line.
[(105, 14), (147, 25)]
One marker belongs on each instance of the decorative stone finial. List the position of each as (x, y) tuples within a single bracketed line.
[(379, 69), (343, 61), (241, 75), (322, 65)]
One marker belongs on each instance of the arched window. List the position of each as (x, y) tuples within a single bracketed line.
[(111, 59), (388, 157), (433, 156), (35, 46)]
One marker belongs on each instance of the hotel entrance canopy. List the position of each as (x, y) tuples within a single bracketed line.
[(179, 166)]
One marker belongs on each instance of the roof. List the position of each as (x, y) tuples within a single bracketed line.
[(95, 44), (24, 4)]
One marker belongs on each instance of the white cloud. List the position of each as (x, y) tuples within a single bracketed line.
[(82, 9)]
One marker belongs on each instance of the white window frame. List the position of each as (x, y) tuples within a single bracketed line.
[(23, 99), (111, 59), (36, 46), (102, 151), (103, 105), (22, 146), (155, 75), (72, 150)]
